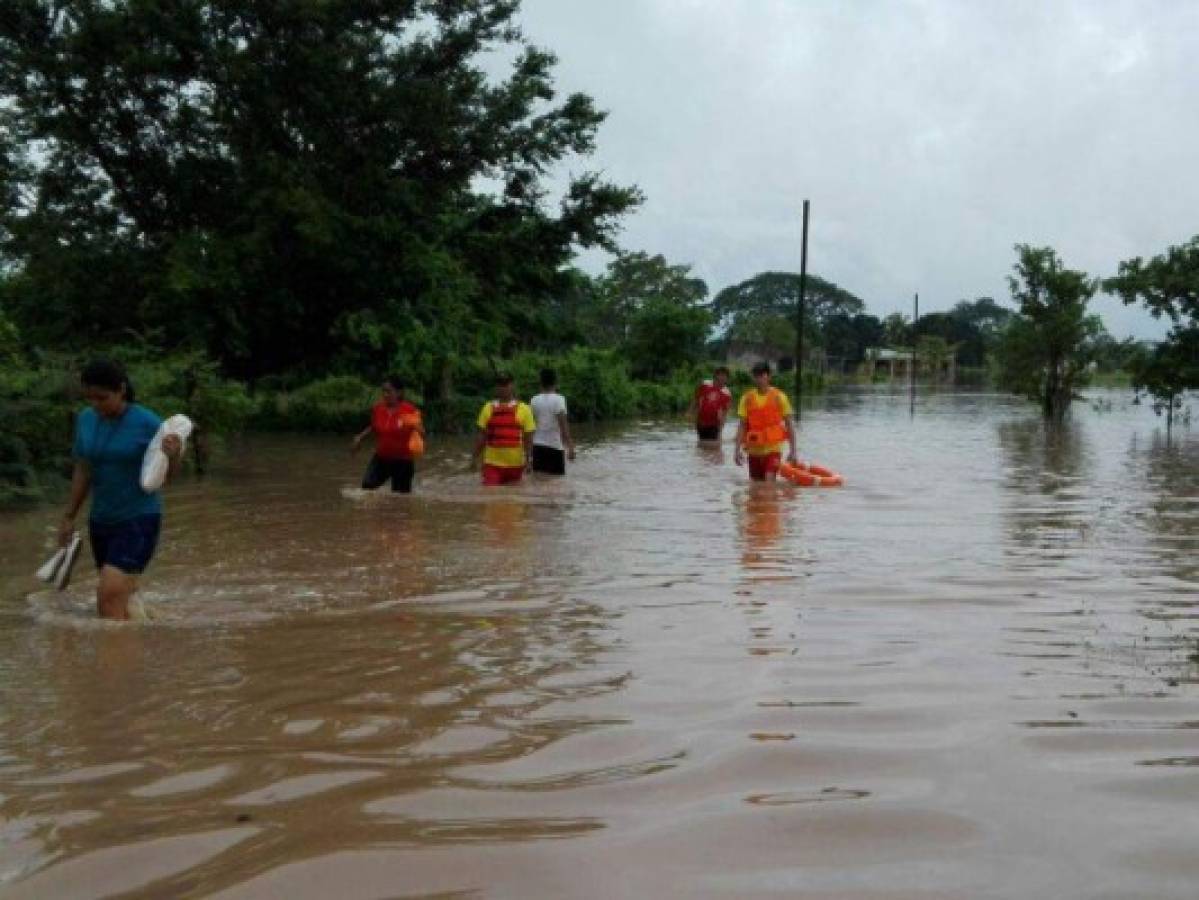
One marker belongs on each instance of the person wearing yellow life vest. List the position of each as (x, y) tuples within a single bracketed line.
[(766, 424), (505, 438)]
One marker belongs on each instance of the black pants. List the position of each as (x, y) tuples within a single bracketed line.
[(708, 432), (550, 460), (400, 471)]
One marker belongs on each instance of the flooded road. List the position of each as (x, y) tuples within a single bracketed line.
[(973, 672)]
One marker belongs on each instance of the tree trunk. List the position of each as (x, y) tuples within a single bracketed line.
[(1056, 399), (437, 391)]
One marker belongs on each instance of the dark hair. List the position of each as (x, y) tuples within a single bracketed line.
[(395, 381), (109, 375), (721, 370), (502, 378), (549, 378), (762, 368)]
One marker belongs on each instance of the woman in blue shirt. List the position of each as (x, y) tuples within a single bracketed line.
[(111, 438)]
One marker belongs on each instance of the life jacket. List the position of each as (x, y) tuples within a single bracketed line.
[(502, 428), (764, 426)]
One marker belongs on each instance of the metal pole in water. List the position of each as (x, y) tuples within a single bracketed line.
[(803, 279), (912, 361)]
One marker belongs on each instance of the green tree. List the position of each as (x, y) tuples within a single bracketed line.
[(1167, 371), (665, 335), (762, 309), (934, 352), (971, 327), (848, 337), (292, 183), (632, 282), (1168, 285), (896, 330), (1111, 355), (10, 342), (1046, 348)]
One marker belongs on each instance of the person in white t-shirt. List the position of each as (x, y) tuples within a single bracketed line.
[(552, 444)]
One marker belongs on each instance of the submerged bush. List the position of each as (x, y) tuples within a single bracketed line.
[(191, 384), (336, 403), (37, 408)]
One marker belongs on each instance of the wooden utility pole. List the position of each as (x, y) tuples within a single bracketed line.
[(803, 280), (912, 361)]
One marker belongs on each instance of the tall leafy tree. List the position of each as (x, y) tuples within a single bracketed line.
[(665, 335), (977, 327), (762, 309), (897, 331), (1047, 346), (633, 282), (654, 311), (1168, 285), (971, 328), (282, 182), (848, 337)]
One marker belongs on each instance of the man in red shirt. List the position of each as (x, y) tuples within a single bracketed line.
[(710, 405), (393, 422)]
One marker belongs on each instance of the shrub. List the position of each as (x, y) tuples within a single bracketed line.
[(337, 403), (190, 384), (37, 408)]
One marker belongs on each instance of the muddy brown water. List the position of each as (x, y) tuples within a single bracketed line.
[(971, 673)]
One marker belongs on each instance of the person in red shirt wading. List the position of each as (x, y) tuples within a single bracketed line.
[(505, 438), (710, 406), (398, 430)]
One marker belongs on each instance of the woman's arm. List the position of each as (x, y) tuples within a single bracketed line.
[(81, 484), (172, 446), (360, 437)]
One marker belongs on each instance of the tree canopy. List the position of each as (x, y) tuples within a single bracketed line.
[(280, 183), (1168, 285), (1048, 344), (756, 309)]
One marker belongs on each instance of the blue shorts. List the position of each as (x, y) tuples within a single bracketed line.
[(126, 545)]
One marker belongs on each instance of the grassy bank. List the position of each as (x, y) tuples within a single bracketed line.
[(1111, 380)]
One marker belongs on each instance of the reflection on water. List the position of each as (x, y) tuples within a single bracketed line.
[(969, 673), (1046, 478)]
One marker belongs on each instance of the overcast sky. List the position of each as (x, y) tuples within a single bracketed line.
[(930, 135)]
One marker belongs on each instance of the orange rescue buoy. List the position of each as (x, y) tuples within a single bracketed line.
[(810, 475)]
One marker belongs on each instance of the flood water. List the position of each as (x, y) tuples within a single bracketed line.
[(973, 672)]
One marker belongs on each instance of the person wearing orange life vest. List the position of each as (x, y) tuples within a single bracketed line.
[(505, 440), (766, 424), (394, 422)]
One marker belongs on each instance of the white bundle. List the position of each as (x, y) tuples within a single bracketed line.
[(155, 463)]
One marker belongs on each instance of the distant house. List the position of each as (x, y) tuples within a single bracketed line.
[(883, 361), (898, 364)]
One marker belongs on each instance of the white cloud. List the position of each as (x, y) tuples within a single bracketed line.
[(930, 135)]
